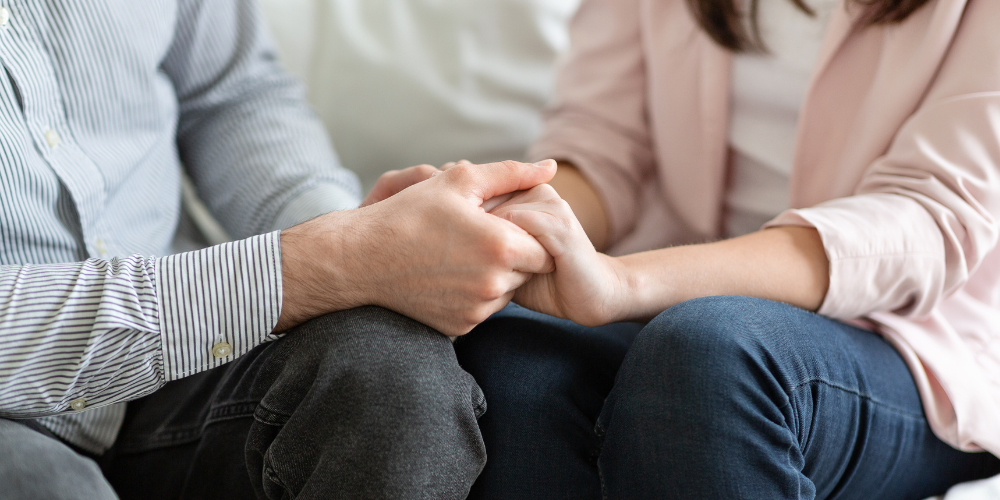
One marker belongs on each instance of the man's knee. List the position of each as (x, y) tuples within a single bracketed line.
[(367, 386), (36, 466), (381, 357)]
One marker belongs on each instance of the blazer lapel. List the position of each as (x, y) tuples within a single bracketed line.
[(689, 112)]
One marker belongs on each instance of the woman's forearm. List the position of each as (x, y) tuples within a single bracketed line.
[(784, 264)]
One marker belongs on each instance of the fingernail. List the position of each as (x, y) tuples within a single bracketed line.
[(435, 174), (546, 163)]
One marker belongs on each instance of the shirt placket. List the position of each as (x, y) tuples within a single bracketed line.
[(30, 66)]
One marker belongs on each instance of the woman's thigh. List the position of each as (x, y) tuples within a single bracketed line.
[(545, 381), (733, 397)]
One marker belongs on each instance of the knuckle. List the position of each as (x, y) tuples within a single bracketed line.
[(388, 175), (492, 288), (425, 170), (473, 317), (547, 191), (563, 206), (461, 174), (502, 249)]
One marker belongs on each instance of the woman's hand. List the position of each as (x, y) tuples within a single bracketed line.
[(394, 181), (785, 264), (586, 287)]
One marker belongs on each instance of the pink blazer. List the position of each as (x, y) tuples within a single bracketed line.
[(897, 167)]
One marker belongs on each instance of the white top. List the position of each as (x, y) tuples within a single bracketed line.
[(767, 95)]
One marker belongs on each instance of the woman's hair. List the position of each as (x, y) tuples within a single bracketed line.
[(726, 24)]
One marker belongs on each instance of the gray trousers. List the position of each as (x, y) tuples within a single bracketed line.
[(357, 404)]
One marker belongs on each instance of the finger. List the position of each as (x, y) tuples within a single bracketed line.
[(452, 164), (519, 278), (482, 182), (552, 224), (539, 193), (496, 201), (382, 188), (414, 175), (520, 251), (397, 181)]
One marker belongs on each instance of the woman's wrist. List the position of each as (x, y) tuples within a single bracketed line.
[(638, 296)]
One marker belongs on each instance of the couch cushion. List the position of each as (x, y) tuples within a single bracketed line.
[(403, 82)]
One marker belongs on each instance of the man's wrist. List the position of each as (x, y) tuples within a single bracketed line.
[(321, 271)]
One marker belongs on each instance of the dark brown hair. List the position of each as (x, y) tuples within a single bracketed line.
[(725, 23)]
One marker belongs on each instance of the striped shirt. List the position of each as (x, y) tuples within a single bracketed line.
[(101, 103)]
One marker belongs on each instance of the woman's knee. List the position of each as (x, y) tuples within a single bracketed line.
[(702, 337)]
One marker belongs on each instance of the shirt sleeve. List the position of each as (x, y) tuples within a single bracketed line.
[(90, 334), (246, 135)]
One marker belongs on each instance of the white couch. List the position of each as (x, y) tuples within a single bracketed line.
[(404, 82)]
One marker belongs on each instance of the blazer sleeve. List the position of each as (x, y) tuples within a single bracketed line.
[(924, 216), (598, 119)]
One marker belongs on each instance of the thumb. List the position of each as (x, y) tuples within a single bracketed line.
[(482, 182)]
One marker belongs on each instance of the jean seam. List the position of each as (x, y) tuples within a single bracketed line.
[(269, 416), (169, 437), (230, 411), (272, 475), (600, 433), (866, 397)]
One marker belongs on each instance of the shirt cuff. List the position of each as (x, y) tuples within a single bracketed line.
[(218, 303), (885, 251), (313, 202)]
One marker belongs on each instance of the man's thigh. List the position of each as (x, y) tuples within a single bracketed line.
[(298, 415), (34, 465)]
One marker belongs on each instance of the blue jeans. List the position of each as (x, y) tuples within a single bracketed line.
[(721, 397)]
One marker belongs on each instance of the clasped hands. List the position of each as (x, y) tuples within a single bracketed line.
[(449, 247)]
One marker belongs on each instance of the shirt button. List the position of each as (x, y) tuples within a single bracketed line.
[(78, 404), (4, 16), (52, 137), (222, 349), (101, 247)]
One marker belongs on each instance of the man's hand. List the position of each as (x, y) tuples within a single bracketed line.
[(430, 252)]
